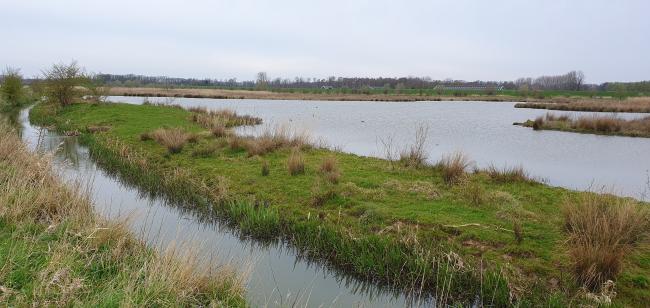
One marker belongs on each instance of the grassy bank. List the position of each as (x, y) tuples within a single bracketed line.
[(555, 97), (601, 125), (55, 251), (635, 104), (494, 234)]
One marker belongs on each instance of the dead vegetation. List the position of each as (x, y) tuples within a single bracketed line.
[(636, 104), (454, 167), (174, 139)]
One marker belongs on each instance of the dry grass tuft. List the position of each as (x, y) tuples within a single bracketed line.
[(454, 167), (508, 174), (296, 162), (415, 156), (601, 230), (265, 168), (330, 169), (174, 139)]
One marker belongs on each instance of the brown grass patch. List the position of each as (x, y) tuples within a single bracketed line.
[(608, 125), (296, 162), (601, 230), (454, 167), (174, 139), (508, 174)]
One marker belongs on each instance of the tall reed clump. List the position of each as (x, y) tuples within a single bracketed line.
[(508, 174), (601, 230), (296, 162), (61, 253), (329, 168), (454, 167), (415, 156), (174, 139), (226, 117), (277, 137)]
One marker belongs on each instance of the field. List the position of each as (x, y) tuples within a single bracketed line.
[(55, 251), (445, 228)]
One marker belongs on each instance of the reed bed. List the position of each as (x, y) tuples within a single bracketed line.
[(602, 230), (606, 125), (60, 253), (637, 104)]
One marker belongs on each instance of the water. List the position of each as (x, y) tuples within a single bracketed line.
[(278, 276), (482, 130)]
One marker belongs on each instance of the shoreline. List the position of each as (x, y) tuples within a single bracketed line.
[(270, 95)]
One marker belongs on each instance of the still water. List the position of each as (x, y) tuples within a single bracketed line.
[(278, 277), (482, 130)]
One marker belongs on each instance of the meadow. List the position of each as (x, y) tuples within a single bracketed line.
[(445, 229)]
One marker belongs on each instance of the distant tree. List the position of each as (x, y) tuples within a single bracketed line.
[(262, 81), (399, 87), (12, 86), (63, 83)]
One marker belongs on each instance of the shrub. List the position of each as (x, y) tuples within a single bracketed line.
[(11, 89), (453, 167), (296, 162), (62, 83), (601, 229)]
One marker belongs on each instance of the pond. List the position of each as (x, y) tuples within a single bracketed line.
[(482, 130)]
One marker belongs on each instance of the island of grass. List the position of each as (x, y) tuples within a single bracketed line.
[(56, 252), (632, 105), (495, 235), (600, 125)]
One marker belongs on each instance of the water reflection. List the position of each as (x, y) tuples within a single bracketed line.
[(280, 276)]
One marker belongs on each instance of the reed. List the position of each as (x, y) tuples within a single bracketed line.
[(508, 174), (606, 125)]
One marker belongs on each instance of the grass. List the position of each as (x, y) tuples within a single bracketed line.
[(55, 251), (602, 125), (602, 230), (403, 226), (635, 104)]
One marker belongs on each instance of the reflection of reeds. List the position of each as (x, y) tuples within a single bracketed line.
[(601, 230), (89, 258)]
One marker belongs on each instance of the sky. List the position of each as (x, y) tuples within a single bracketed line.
[(461, 39)]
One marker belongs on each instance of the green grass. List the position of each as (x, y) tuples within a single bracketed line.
[(380, 223)]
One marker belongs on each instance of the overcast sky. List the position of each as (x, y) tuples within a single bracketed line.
[(479, 39)]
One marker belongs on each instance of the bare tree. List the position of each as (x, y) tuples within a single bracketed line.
[(63, 82), (262, 81)]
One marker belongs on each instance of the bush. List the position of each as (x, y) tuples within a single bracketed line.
[(11, 89), (62, 83)]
